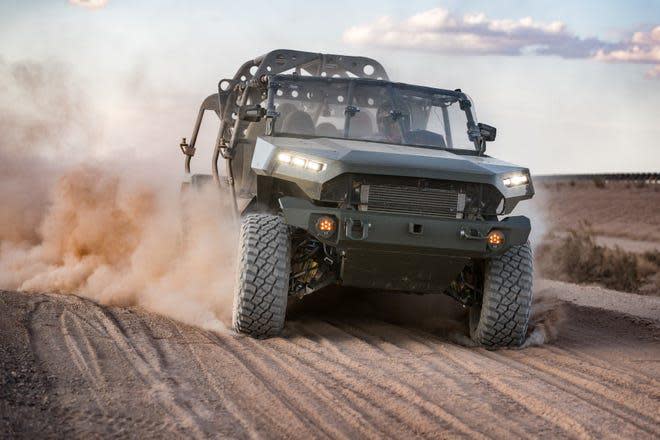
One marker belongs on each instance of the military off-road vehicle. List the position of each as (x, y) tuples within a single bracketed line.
[(341, 176)]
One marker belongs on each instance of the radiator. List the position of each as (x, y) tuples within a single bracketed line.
[(412, 200)]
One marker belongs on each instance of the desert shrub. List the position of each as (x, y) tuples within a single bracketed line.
[(648, 265), (599, 182), (652, 257), (578, 259)]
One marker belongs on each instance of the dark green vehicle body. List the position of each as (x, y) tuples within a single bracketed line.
[(411, 216), (392, 250)]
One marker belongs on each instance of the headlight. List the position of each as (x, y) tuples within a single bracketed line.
[(300, 162), (516, 180), (285, 158)]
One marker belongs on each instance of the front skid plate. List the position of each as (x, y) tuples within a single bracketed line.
[(402, 271)]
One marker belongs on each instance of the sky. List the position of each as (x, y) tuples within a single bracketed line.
[(571, 86)]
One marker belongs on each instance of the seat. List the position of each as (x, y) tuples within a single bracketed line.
[(327, 129), (425, 137), (299, 122), (284, 109)]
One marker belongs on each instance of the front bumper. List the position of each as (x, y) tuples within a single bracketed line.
[(405, 233)]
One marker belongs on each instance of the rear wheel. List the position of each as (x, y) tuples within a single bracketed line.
[(502, 318), (262, 284)]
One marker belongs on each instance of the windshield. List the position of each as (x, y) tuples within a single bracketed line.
[(371, 110)]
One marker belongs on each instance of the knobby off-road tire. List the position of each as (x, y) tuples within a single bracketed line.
[(264, 265), (501, 320)]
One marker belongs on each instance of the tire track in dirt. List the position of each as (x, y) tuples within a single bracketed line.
[(489, 409), (646, 422), (539, 370), (383, 400), (292, 397), (335, 376), (352, 391), (534, 401), (228, 401), (588, 391), (87, 364), (295, 389), (288, 419), (182, 369), (639, 398), (150, 374), (234, 392), (565, 406), (454, 378), (575, 359), (401, 389), (442, 347), (346, 417)]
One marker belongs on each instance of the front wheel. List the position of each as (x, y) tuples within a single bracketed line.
[(262, 284), (501, 319)]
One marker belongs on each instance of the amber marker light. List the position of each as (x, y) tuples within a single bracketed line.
[(495, 239), (326, 226)]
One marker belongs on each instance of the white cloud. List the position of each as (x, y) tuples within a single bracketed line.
[(90, 4), (632, 54), (654, 73), (438, 30), (647, 38), (431, 19), (643, 48)]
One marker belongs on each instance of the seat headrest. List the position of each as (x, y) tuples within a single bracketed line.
[(327, 129), (299, 122)]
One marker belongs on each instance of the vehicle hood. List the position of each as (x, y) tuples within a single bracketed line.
[(350, 156), (344, 156)]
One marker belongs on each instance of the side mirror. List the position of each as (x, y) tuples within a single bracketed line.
[(252, 113), (487, 132)]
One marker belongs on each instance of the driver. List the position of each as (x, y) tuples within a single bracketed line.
[(390, 121)]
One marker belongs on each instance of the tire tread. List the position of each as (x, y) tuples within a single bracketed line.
[(262, 284), (507, 299)]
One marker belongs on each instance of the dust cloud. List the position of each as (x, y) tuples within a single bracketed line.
[(106, 230), (122, 234), (547, 319), (535, 210)]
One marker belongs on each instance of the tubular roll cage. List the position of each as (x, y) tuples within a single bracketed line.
[(252, 78)]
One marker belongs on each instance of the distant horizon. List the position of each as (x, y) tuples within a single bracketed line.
[(655, 174)]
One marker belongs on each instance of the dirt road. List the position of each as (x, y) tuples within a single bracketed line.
[(72, 368)]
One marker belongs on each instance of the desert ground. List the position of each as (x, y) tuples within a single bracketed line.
[(619, 212), (351, 364)]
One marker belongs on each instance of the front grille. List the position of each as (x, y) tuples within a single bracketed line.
[(413, 200)]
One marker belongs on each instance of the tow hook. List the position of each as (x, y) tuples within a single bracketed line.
[(355, 226), (471, 234)]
